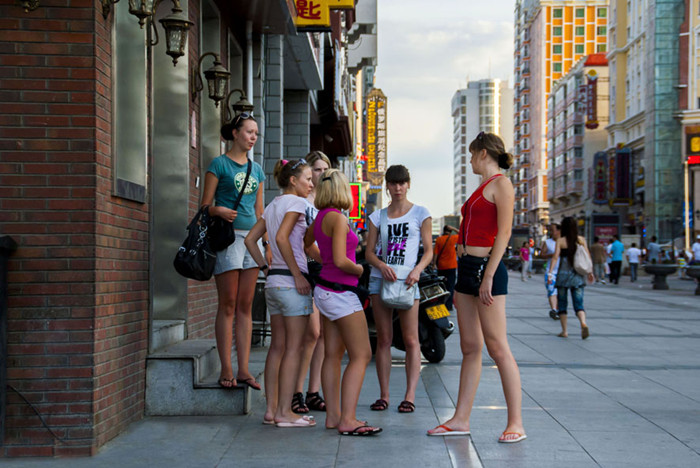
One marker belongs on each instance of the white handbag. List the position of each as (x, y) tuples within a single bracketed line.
[(394, 294), (582, 261)]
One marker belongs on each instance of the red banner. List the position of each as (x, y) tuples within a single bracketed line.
[(591, 104)]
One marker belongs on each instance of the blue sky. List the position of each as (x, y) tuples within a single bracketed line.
[(427, 50)]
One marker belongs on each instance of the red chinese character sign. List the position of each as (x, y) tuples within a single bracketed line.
[(600, 178), (376, 138), (591, 98), (315, 15)]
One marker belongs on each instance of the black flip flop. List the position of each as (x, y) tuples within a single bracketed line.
[(250, 382), (357, 432), (379, 405), (406, 407)]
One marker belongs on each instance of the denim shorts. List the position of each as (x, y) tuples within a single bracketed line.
[(470, 273), (235, 256), (334, 304), (288, 302), (375, 286)]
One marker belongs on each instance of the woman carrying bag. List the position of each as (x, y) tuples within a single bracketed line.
[(568, 279), (395, 234)]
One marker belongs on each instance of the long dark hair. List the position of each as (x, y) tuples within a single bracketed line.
[(569, 231)]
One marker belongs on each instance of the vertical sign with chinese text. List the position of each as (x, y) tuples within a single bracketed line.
[(356, 210), (376, 138), (600, 178), (591, 97)]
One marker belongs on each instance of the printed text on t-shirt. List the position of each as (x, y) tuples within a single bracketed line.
[(397, 235)]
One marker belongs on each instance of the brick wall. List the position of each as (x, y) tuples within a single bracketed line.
[(78, 283)]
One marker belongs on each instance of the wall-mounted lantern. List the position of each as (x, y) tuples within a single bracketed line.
[(216, 76)]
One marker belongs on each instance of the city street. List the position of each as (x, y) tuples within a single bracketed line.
[(627, 396)]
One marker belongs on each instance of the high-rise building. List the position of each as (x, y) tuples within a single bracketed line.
[(483, 106), (550, 37)]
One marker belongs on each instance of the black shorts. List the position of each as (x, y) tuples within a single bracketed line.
[(470, 271)]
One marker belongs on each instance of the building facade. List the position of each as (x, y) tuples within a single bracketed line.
[(648, 91), (104, 146), (483, 106), (577, 110), (550, 37)]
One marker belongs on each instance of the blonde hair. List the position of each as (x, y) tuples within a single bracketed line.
[(333, 191), (314, 156)]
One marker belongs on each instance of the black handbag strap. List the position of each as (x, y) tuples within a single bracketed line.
[(245, 183)]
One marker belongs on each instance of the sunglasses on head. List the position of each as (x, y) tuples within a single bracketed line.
[(302, 161), (480, 136), (242, 116)]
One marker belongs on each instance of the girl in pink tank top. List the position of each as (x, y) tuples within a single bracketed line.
[(344, 323)]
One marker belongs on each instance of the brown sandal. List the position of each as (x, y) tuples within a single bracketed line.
[(379, 405), (406, 407)]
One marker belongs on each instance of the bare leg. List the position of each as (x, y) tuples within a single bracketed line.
[(409, 330), (272, 365), (383, 320), (227, 289), (330, 371), (289, 366), (353, 329), (316, 363), (471, 342), (244, 320), (563, 319), (309, 344), (493, 325)]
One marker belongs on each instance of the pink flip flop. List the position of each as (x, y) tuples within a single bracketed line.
[(505, 440), (304, 421)]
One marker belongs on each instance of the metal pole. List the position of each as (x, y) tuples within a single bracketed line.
[(7, 246)]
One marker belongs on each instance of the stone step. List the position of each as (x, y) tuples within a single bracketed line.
[(181, 380), (166, 333)]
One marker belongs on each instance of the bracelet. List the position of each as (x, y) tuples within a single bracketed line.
[(265, 243), (263, 268)]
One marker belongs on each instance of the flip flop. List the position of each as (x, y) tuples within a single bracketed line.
[(358, 432), (222, 381), (448, 432), (406, 407), (584, 333), (250, 382), (379, 405), (304, 421), (519, 437), (269, 422)]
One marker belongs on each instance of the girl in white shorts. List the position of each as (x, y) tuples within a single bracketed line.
[(287, 291), (344, 323)]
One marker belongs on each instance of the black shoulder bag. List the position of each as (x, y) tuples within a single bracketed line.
[(195, 259), (221, 233)]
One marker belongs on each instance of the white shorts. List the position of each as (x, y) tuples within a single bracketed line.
[(335, 305), (236, 256)]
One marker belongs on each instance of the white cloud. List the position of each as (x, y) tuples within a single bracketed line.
[(426, 53)]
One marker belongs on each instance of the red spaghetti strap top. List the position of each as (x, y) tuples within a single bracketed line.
[(479, 219)]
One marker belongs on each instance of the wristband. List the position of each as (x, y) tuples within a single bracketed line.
[(265, 243), (263, 268)]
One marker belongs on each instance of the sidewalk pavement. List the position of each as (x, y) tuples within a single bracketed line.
[(629, 396)]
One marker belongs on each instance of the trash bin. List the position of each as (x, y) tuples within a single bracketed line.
[(7, 246)]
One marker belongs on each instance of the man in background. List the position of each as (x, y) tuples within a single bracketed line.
[(599, 257), (445, 259), (653, 251), (616, 251), (633, 254), (547, 252)]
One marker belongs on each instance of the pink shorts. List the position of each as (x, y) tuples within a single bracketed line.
[(334, 305)]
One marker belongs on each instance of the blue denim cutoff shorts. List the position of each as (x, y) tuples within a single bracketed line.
[(288, 302)]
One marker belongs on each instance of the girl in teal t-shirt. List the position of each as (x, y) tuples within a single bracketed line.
[(236, 272)]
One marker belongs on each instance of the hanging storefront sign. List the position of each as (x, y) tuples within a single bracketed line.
[(356, 210), (692, 144), (315, 15), (591, 97), (623, 186), (376, 133), (600, 178)]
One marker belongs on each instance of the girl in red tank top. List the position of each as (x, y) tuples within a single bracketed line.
[(480, 293)]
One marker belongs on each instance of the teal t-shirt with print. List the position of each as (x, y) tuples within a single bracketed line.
[(231, 176)]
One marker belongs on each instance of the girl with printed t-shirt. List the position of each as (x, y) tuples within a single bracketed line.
[(408, 225), (235, 272), (287, 290)]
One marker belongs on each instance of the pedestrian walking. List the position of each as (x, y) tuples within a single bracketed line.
[(633, 256), (524, 261), (287, 289), (407, 225), (568, 280), (599, 257), (312, 350), (235, 272), (616, 251), (531, 251), (695, 248), (547, 252), (482, 285), (344, 323), (653, 251), (445, 259)]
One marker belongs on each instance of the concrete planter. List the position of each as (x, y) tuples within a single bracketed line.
[(694, 272), (660, 273)]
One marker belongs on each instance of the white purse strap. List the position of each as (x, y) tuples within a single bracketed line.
[(383, 226)]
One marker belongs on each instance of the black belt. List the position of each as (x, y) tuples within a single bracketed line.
[(283, 272), (361, 293)]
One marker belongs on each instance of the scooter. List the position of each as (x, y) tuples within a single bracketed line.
[(434, 325)]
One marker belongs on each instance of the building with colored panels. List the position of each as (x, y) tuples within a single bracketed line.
[(550, 37)]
